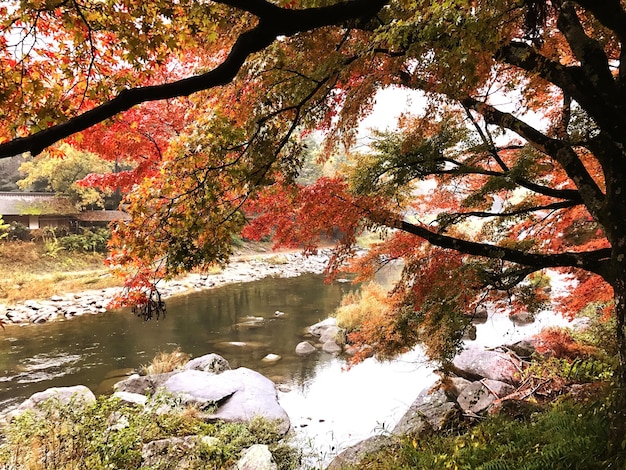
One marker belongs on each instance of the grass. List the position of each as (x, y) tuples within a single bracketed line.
[(166, 362), (109, 434), (567, 435), (29, 272)]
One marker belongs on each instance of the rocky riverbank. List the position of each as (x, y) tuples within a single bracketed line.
[(67, 306)]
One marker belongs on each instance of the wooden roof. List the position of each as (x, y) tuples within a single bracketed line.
[(17, 203)]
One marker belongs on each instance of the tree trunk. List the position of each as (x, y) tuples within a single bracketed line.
[(617, 431)]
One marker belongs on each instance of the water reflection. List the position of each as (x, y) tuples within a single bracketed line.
[(237, 321)]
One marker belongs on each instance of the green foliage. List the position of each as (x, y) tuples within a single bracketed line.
[(19, 231), (566, 436), (95, 241), (52, 173), (110, 435)]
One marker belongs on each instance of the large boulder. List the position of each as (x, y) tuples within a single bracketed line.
[(320, 327), (479, 396), (240, 395), (476, 363), (209, 363), (201, 388), (352, 456), (431, 411), (143, 384), (78, 395)]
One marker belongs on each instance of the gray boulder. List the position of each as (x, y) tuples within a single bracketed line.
[(201, 388), (239, 394), (78, 395), (522, 318), (305, 348), (329, 334), (255, 396), (143, 384), (352, 456), (331, 347), (431, 411), (318, 328), (256, 457), (476, 363), (208, 363), (479, 396)]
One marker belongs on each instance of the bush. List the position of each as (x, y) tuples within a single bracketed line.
[(18, 231), (110, 435), (357, 307), (89, 241)]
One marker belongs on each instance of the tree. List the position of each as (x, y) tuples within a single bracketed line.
[(61, 172), (539, 193)]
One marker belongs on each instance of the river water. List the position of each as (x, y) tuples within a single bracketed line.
[(330, 407)]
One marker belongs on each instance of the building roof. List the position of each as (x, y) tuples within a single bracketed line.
[(102, 216), (18, 203)]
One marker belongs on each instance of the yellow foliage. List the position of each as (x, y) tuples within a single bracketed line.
[(368, 304)]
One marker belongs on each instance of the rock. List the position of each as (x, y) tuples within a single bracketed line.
[(78, 395), (431, 411), (318, 328), (476, 363), (331, 347), (352, 456), (453, 386), (256, 457), (271, 358), (255, 396), (329, 334), (305, 348), (213, 363), (201, 388), (479, 396), (524, 348), (131, 398), (470, 332), (142, 384), (522, 318)]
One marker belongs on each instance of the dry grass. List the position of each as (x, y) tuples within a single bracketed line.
[(358, 307), (29, 272), (166, 362)]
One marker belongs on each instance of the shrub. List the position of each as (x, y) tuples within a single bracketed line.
[(18, 231), (89, 241), (358, 307), (110, 435)]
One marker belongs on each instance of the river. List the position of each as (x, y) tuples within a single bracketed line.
[(330, 407)]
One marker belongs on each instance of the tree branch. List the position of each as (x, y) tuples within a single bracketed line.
[(595, 261), (589, 191), (274, 22)]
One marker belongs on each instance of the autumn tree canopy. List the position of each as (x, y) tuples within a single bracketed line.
[(516, 163)]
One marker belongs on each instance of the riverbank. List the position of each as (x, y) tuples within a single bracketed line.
[(244, 268)]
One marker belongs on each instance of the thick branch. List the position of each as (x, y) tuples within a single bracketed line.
[(274, 22), (590, 192), (594, 261), (573, 81)]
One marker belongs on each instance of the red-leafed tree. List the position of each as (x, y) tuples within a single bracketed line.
[(522, 138)]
